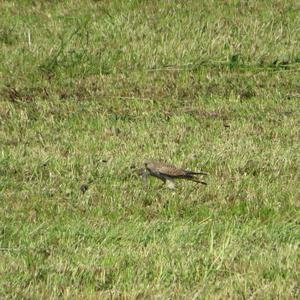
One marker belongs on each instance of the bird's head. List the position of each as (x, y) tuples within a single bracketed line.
[(147, 163)]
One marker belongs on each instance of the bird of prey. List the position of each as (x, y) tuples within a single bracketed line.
[(167, 173)]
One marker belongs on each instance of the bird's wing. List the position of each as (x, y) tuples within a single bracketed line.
[(170, 170)]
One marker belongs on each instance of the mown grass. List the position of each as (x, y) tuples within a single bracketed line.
[(89, 88)]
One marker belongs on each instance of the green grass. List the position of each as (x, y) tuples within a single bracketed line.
[(89, 88)]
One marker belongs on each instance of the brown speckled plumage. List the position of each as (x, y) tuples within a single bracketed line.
[(165, 171)]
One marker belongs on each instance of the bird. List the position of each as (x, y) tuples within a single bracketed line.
[(167, 173)]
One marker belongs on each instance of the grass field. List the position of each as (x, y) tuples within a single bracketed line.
[(88, 88)]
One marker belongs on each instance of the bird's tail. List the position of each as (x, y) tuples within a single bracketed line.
[(196, 180), (196, 173)]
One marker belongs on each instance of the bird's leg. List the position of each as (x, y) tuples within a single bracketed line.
[(170, 184), (163, 180)]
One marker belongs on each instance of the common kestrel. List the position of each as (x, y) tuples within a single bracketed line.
[(167, 172)]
